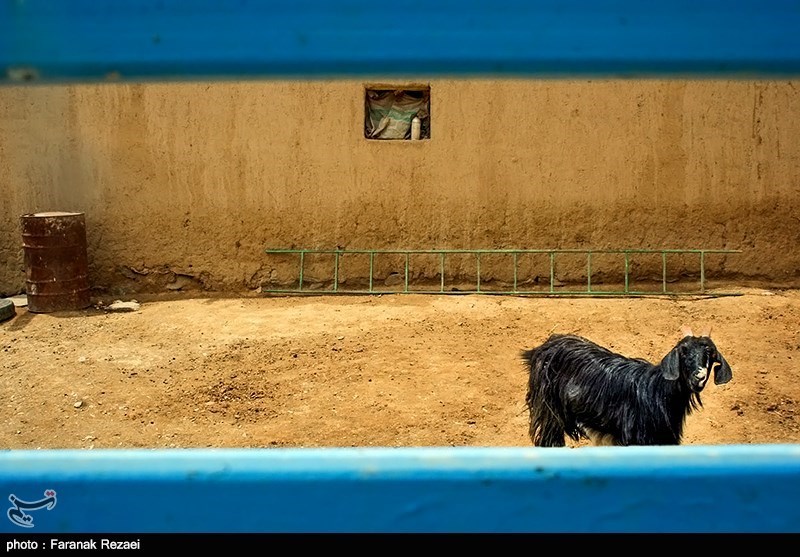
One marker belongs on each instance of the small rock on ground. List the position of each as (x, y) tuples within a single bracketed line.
[(20, 300), (119, 305)]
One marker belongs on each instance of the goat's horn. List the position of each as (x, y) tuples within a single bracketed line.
[(706, 332), (686, 331)]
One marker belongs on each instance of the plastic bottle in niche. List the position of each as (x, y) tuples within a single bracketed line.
[(416, 127)]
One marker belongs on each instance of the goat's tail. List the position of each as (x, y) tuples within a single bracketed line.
[(546, 427)]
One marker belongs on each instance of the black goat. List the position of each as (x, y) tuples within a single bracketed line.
[(585, 391)]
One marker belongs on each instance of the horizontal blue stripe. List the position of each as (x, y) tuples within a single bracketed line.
[(86, 40), (730, 488)]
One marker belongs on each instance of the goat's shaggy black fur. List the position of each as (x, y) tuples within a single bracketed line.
[(582, 390)]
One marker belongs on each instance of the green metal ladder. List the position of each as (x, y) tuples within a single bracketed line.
[(553, 290)]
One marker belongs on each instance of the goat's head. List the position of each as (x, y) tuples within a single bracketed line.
[(693, 359)]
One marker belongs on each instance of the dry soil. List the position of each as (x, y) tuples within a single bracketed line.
[(383, 370)]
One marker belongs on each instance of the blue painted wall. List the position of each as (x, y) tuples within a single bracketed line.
[(89, 40), (747, 488)]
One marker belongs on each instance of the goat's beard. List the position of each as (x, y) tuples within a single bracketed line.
[(694, 400)]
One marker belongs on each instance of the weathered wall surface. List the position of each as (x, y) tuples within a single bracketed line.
[(193, 181)]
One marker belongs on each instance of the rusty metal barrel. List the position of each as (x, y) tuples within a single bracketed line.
[(56, 263)]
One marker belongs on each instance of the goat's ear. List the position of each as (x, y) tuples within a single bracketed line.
[(671, 365), (722, 373)]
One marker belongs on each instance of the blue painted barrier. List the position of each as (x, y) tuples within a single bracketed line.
[(96, 40), (688, 489)]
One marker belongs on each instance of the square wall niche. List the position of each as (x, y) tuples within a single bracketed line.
[(390, 110)]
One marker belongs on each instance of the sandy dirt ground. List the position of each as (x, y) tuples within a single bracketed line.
[(388, 370)]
